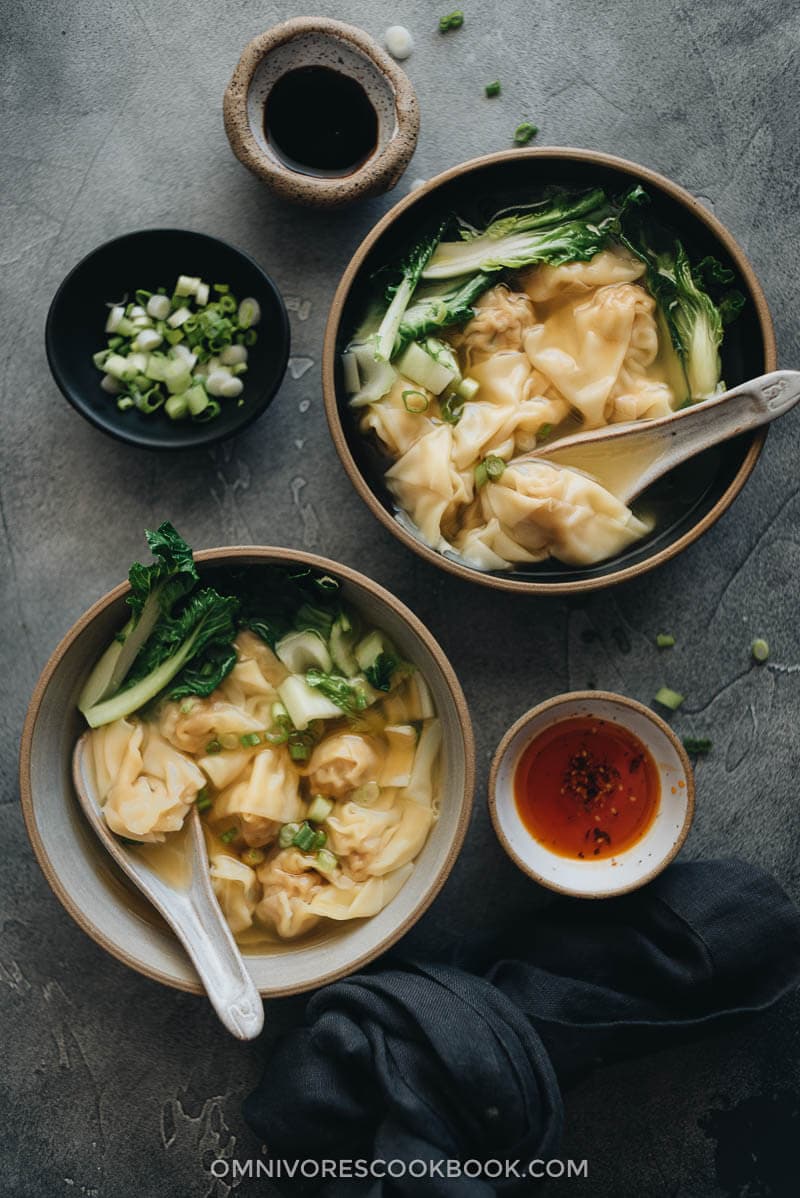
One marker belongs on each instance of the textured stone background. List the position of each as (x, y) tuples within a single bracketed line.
[(112, 1085)]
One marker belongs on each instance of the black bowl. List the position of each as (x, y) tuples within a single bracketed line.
[(149, 259), (690, 498)]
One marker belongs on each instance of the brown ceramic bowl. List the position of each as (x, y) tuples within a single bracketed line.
[(632, 867), (697, 493), (96, 894), (318, 41)]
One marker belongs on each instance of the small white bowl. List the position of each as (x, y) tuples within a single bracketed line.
[(631, 867)]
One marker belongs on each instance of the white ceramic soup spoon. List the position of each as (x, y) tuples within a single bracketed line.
[(174, 877), (627, 458)]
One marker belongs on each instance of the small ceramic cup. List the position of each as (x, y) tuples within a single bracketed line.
[(316, 41), (630, 868)]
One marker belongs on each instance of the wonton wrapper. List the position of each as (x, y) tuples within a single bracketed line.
[(289, 882), (342, 762), (513, 403), (502, 317), (544, 283), (589, 351), (264, 797), (427, 485), (362, 899), (538, 507), (236, 887), (146, 786), (396, 427)]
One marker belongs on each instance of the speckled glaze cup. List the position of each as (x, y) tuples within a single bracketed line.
[(317, 41)]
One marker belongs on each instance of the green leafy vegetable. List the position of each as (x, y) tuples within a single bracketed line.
[(693, 316), (562, 228), (345, 694), (439, 305), (399, 295), (175, 643), (379, 674), (154, 590), (276, 600)]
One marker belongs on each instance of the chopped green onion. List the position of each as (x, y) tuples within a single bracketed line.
[(669, 698), (326, 861), (229, 835), (176, 407), (277, 736), (491, 468), (203, 800), (187, 706), (696, 744), (367, 794), (760, 649), (287, 834), (213, 746), (492, 89), (190, 331), (305, 838), (250, 739), (415, 401), (254, 857), (544, 432), (319, 809), (451, 408), (228, 740), (453, 20), (665, 640), (524, 133), (298, 751)]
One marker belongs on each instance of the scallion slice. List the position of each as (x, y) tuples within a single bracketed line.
[(669, 698)]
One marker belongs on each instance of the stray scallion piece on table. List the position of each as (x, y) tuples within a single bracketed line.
[(697, 744), (669, 698), (525, 133), (492, 89), (453, 20), (759, 649), (665, 640), (182, 351)]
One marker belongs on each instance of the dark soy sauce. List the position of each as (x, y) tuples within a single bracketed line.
[(320, 122)]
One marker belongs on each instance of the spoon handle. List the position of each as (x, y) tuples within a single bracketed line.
[(718, 419), (204, 933)]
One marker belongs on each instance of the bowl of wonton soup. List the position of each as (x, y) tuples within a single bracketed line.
[(98, 896), (677, 509)]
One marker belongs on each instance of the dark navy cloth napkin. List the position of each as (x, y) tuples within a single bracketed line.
[(429, 1062)]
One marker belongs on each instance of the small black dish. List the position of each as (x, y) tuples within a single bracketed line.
[(149, 259)]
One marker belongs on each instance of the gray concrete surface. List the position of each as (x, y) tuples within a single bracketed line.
[(111, 1085)]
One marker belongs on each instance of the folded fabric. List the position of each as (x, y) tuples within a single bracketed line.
[(428, 1062)]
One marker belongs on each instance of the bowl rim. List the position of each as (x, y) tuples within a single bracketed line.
[(142, 440), (336, 427), (267, 554), (569, 697)]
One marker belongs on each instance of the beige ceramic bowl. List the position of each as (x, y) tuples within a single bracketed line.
[(633, 866), (475, 189), (99, 898), (317, 41)]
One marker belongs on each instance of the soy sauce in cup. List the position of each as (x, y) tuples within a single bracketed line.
[(319, 121)]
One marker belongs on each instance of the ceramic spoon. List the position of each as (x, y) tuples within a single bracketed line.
[(627, 458), (188, 904)]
